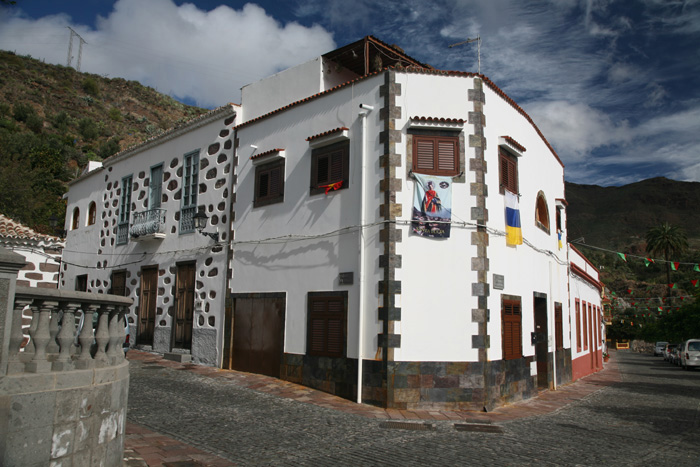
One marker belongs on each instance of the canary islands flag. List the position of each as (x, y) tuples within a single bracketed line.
[(514, 234)]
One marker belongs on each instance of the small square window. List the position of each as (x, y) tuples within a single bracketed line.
[(330, 166), (269, 183), (436, 155)]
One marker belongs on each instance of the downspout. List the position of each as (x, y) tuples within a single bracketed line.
[(553, 321), (364, 110)]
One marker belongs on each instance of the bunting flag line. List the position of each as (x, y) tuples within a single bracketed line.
[(648, 261), (694, 282), (696, 268), (623, 257), (674, 266)]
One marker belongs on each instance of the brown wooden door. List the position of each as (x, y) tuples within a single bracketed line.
[(184, 306), (542, 343), (258, 335), (147, 306)]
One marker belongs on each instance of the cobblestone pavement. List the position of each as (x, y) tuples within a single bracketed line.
[(648, 413)]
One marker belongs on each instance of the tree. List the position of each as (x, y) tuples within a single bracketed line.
[(668, 240)]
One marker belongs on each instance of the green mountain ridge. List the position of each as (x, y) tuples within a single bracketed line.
[(53, 120)]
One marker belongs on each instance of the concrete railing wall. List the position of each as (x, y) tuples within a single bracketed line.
[(63, 395)]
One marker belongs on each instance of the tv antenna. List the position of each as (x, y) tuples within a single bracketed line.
[(477, 39), (70, 47)]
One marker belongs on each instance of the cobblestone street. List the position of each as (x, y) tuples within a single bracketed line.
[(647, 414)]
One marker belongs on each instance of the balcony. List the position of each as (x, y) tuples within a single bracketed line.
[(148, 225), (60, 380)]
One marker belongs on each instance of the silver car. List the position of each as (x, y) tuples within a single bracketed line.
[(690, 354)]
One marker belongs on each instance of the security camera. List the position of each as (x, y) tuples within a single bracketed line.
[(366, 107)]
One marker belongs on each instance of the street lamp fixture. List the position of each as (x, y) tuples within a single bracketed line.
[(53, 222), (200, 222)]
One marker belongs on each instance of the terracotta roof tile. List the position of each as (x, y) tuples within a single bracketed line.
[(514, 143), (13, 229), (326, 133), (266, 153), (459, 121)]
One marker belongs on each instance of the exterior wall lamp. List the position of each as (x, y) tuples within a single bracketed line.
[(200, 222)]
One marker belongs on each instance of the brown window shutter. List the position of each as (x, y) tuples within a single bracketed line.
[(512, 329), (263, 185), (322, 170), (424, 151), (446, 155)]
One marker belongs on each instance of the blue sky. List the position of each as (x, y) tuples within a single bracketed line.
[(613, 85)]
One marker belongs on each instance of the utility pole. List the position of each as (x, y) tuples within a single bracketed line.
[(70, 47), (468, 41)]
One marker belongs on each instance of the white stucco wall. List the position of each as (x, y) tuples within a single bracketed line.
[(299, 266), (584, 291)]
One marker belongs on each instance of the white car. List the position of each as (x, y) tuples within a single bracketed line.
[(659, 348), (690, 354)]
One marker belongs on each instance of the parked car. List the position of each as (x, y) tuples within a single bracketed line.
[(668, 351), (673, 354), (659, 348), (690, 354)]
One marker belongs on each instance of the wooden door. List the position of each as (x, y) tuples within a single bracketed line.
[(257, 338), (147, 306), (184, 306), (542, 343)]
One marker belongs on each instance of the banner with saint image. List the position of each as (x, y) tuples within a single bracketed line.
[(432, 206)]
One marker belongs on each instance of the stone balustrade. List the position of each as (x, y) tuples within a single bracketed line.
[(63, 395), (55, 341)]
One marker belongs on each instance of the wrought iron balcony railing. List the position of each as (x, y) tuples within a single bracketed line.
[(148, 224)]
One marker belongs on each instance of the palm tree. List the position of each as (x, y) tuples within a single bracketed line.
[(668, 240)]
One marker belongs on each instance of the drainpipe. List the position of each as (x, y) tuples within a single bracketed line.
[(364, 110), (551, 299)]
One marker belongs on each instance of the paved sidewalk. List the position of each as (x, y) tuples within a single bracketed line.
[(144, 447)]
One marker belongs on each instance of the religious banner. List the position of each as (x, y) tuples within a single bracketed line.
[(432, 206)]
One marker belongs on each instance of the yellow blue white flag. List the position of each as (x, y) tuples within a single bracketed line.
[(514, 234)]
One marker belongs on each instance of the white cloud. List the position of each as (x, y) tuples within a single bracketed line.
[(179, 50)]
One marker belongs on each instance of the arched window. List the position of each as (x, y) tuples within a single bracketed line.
[(542, 213), (92, 213), (75, 222)]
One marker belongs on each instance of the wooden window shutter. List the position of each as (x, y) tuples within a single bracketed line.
[(436, 155), (263, 185), (508, 172), (330, 164), (326, 332), (512, 329)]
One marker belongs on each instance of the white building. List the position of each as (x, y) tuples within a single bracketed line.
[(131, 232), (339, 271), (587, 326), (330, 284), (42, 253)]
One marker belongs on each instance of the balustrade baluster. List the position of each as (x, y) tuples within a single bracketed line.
[(15, 365), (41, 337), (102, 334), (86, 338), (52, 346), (65, 338), (30, 348)]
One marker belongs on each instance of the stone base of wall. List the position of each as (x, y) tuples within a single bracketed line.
[(64, 418), (425, 385), (564, 367), (161, 339), (448, 385), (336, 376), (204, 346)]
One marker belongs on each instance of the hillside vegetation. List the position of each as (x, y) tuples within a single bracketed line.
[(53, 120)]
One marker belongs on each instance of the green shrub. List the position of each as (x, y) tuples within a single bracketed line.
[(35, 123), (60, 121), (108, 148), (88, 129), (91, 87), (22, 111), (4, 109), (115, 114)]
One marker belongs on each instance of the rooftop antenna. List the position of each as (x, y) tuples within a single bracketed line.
[(70, 48), (478, 44)]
